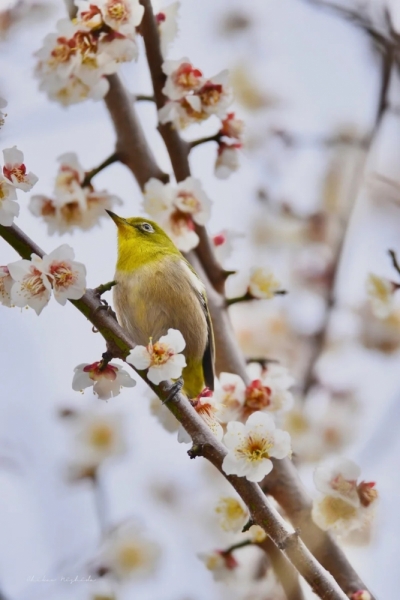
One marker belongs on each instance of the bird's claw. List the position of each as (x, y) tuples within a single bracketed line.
[(174, 390), (105, 306)]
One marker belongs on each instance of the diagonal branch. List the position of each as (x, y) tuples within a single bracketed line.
[(204, 442), (284, 485)]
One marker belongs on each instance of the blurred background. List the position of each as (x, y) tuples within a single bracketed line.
[(316, 198)]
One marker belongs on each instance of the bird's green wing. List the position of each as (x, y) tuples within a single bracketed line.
[(209, 353)]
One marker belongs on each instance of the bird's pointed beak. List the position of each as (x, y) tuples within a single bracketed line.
[(117, 220)]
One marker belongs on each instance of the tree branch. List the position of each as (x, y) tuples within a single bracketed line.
[(228, 356), (106, 163), (321, 582)]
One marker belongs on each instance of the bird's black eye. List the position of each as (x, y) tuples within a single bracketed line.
[(147, 227)]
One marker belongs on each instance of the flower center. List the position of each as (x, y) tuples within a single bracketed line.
[(186, 77), (62, 275), (96, 373), (130, 557), (210, 94), (118, 11), (255, 448), (188, 202), (71, 212), (18, 171), (336, 508), (101, 436), (33, 283), (62, 53), (160, 353), (47, 209), (181, 221), (257, 396)]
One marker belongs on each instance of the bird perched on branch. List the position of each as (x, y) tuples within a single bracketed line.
[(157, 289)]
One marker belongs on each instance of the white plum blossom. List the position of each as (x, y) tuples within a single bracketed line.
[(72, 206), (106, 379), (361, 595), (67, 277), (252, 445), (9, 208), (182, 78), (14, 170), (6, 282), (278, 380), (163, 359), (166, 20), (263, 283), (380, 294), (97, 437), (221, 564), (230, 395), (232, 514), (31, 285), (177, 209), (127, 554), (344, 505), (227, 161), (122, 16)]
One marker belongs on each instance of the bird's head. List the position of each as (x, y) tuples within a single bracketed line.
[(140, 241)]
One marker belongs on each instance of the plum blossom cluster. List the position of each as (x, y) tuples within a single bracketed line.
[(74, 205), (267, 392), (178, 209), (14, 176), (344, 505), (206, 407), (31, 282), (107, 379), (72, 63), (192, 98)]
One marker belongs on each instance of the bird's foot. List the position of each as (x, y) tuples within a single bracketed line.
[(174, 390), (105, 306)]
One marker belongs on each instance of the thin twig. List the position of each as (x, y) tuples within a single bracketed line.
[(143, 98), (90, 174), (211, 138), (321, 582), (395, 262)]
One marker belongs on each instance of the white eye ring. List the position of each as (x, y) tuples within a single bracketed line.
[(147, 227)]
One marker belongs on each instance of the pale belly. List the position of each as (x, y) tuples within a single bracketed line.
[(148, 304)]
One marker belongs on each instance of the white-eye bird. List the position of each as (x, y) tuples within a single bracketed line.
[(157, 289)]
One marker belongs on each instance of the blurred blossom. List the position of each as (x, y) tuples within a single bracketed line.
[(221, 565), (324, 424), (380, 292), (378, 333), (163, 359), (232, 515), (247, 90), (126, 554), (73, 206), (263, 283), (344, 504), (9, 208), (163, 415), (251, 447), (227, 161), (257, 534), (223, 243), (97, 437), (3, 104), (107, 380), (178, 209)]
